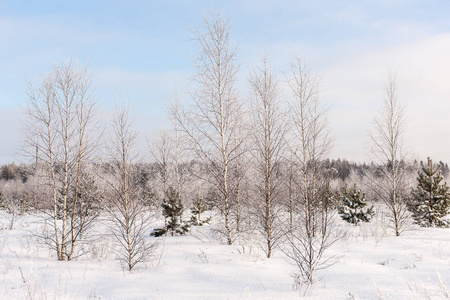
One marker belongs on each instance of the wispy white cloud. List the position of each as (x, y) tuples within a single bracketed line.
[(354, 86), (34, 32), (153, 87), (11, 135), (149, 93), (350, 44)]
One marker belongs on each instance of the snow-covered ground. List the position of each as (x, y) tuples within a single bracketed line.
[(371, 264)]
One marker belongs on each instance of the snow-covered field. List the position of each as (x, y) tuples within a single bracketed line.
[(371, 264)]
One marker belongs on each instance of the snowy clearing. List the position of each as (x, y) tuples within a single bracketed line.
[(371, 264)]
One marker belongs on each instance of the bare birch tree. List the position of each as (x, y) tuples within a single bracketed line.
[(269, 129), (211, 123), (60, 116), (291, 180), (179, 152), (313, 233), (161, 152), (239, 171), (130, 220), (388, 152)]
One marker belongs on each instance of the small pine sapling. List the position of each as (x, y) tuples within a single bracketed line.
[(352, 202), (3, 203), (149, 197), (172, 209), (199, 207), (430, 202)]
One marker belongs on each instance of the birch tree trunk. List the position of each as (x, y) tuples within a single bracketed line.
[(60, 112), (211, 123), (388, 151), (130, 219), (310, 142), (269, 130), (161, 152)]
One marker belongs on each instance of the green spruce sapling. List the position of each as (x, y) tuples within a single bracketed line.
[(352, 202), (430, 202)]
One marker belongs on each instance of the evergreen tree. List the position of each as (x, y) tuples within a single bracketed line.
[(148, 197), (351, 206), (431, 199), (172, 209), (89, 197), (3, 203), (198, 207)]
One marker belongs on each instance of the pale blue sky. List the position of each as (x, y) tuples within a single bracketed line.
[(144, 49)]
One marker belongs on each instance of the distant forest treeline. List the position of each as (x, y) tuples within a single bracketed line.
[(343, 167)]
